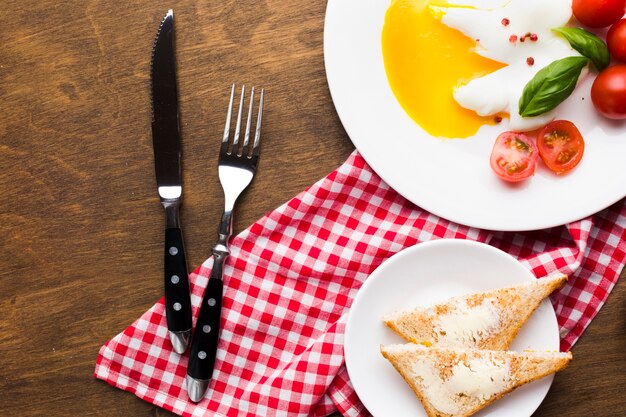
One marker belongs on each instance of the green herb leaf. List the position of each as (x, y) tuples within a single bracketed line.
[(551, 86), (587, 44)]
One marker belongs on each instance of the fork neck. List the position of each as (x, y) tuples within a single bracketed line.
[(225, 231)]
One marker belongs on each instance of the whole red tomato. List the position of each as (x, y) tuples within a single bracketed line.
[(598, 13), (616, 40), (608, 92)]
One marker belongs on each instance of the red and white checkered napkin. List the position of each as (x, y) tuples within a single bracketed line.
[(292, 276)]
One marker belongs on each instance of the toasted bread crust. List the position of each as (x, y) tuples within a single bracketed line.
[(430, 410), (513, 305), (525, 367)]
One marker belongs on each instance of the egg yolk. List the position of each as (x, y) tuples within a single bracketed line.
[(425, 61)]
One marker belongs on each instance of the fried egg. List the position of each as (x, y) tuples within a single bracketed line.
[(455, 67)]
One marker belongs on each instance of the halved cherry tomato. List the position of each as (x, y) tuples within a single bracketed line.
[(561, 146), (598, 13), (514, 156)]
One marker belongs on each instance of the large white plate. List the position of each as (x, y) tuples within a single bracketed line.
[(421, 276), (452, 178)]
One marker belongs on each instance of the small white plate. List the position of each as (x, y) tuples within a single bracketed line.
[(452, 178), (423, 275)]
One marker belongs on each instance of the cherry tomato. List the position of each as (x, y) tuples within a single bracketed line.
[(514, 156), (616, 40), (598, 13), (561, 146), (608, 92)]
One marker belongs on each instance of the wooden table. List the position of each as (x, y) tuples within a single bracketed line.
[(81, 224)]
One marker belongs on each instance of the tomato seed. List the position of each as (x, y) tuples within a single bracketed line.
[(521, 145), (565, 156)]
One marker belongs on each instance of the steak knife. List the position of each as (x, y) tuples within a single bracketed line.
[(167, 155)]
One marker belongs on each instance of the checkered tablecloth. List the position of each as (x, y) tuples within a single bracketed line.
[(292, 276)]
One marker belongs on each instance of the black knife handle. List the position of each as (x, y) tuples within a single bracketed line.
[(177, 297), (206, 334)]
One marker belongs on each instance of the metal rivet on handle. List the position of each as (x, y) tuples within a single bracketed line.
[(206, 328), (175, 279), (177, 306), (202, 354), (211, 302), (173, 250)]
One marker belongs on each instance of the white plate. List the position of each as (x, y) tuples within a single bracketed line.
[(421, 276), (452, 178)]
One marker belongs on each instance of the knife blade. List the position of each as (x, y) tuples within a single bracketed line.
[(167, 163)]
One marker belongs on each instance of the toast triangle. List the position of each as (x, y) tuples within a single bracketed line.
[(488, 320), (459, 382)]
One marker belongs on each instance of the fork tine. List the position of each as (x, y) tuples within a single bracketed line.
[(233, 150), (246, 138), (228, 117), (257, 133)]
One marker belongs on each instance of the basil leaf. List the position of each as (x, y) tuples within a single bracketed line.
[(587, 44), (550, 86)]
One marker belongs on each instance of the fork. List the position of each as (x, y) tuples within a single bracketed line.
[(237, 165)]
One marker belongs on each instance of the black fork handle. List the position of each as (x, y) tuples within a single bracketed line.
[(206, 334)]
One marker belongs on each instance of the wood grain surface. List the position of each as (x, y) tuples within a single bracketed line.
[(81, 224)]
